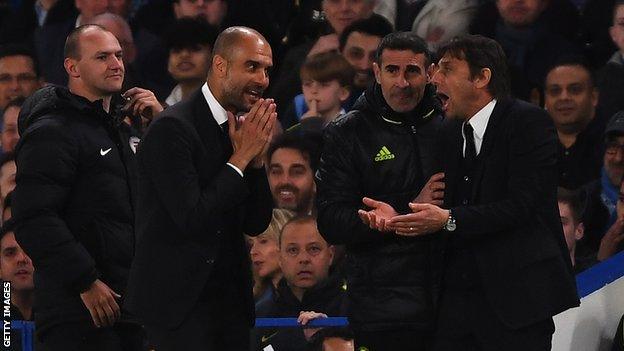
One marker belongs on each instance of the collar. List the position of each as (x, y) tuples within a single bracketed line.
[(218, 112), (175, 96), (480, 120)]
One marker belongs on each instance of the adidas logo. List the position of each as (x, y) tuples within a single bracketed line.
[(384, 154)]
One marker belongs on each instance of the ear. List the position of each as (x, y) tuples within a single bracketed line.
[(430, 71), (579, 233), (219, 65), (71, 67), (482, 80), (377, 71), (332, 253), (343, 94), (594, 97)]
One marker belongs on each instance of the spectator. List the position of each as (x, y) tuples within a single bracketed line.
[(612, 241), (440, 20), (611, 76), (326, 79), (10, 137), (371, 153), (190, 44), (305, 258), (264, 253), (571, 99), (332, 339), (7, 174), (292, 163), (19, 74), (76, 179), (571, 208)]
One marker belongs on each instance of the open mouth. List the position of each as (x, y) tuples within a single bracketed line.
[(255, 94), (444, 99)]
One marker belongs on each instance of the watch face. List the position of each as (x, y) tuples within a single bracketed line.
[(451, 226)]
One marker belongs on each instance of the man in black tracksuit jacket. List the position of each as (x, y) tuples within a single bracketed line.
[(376, 152), (73, 204)]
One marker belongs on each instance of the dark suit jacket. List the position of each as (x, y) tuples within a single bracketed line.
[(512, 222), (192, 212)]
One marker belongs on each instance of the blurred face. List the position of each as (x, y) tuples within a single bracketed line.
[(570, 99), (328, 95), (17, 78), (264, 252), (456, 88), (337, 344), (572, 229), (100, 69), (614, 160), (403, 76), (341, 13), (9, 129), (189, 8), (189, 64), (291, 180), (91, 8), (359, 50), (617, 30), (520, 13), (119, 7), (247, 74), (7, 178), (124, 36), (215, 11), (305, 256), (15, 265)]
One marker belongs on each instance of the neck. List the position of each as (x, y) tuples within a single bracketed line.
[(298, 292), (188, 87), (47, 4), (567, 139), (478, 104), (276, 279), (572, 250), (78, 89), (23, 300)]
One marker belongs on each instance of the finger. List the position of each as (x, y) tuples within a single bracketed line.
[(416, 207), (132, 91), (372, 220), (264, 119), (438, 194), (437, 202), (94, 316), (363, 216), (251, 115), (260, 113), (437, 177), (313, 108), (370, 202), (437, 186), (101, 316), (109, 315)]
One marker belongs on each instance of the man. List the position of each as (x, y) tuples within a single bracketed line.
[(305, 259), (190, 44), (19, 74), (504, 233), (200, 189), (7, 174), (571, 99), (9, 135), (611, 76), (383, 149), (293, 160), (571, 214), (74, 199)]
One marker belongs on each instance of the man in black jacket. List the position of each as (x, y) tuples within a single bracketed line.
[(73, 203), (507, 268), (200, 189), (383, 150)]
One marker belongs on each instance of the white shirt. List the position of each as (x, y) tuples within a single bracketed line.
[(219, 114), (479, 123), (175, 96)]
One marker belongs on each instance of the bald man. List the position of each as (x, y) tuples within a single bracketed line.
[(202, 185)]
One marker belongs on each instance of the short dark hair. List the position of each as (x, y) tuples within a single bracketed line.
[(306, 145), (481, 52), (72, 43), (21, 50), (17, 102), (573, 60), (327, 66), (573, 199), (316, 343), (190, 33), (6, 158), (375, 25), (403, 41)]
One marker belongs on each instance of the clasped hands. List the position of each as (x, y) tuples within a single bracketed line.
[(426, 217)]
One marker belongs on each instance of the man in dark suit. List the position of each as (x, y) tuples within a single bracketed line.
[(200, 190), (507, 271)]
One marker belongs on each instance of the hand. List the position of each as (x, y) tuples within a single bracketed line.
[(251, 134), (100, 301), (325, 43), (141, 102), (433, 191), (305, 317), (312, 110), (378, 216), (427, 218), (611, 240)]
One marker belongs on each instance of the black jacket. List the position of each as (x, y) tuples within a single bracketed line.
[(73, 203), (375, 152)]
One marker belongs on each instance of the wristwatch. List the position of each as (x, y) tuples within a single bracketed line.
[(450, 223)]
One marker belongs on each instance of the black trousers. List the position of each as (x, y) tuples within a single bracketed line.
[(467, 322), (85, 336), (404, 340)]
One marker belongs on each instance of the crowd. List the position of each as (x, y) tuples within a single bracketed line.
[(171, 169)]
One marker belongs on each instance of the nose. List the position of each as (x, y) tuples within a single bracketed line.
[(253, 250), (344, 5), (22, 258), (262, 78), (401, 82), (116, 63), (435, 79)]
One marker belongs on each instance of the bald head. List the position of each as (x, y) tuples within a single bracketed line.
[(120, 29), (234, 37), (72, 43)]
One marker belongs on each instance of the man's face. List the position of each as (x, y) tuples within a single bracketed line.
[(341, 13), (189, 64), (9, 129), (291, 180), (359, 50), (100, 67), (15, 265), (17, 78), (215, 11), (617, 30), (305, 256), (247, 74), (455, 87), (614, 160), (520, 13), (7, 178), (403, 76), (569, 97), (189, 8), (620, 203), (572, 229), (91, 8)]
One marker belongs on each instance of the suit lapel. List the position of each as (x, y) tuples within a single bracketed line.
[(210, 133)]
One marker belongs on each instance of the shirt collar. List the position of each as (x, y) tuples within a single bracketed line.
[(479, 121), (218, 112)]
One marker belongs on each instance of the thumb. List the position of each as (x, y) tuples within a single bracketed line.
[(416, 207), (313, 108), (114, 293), (231, 122), (370, 202)]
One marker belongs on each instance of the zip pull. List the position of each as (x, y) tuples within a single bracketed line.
[(414, 130)]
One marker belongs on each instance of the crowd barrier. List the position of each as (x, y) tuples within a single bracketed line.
[(590, 326)]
